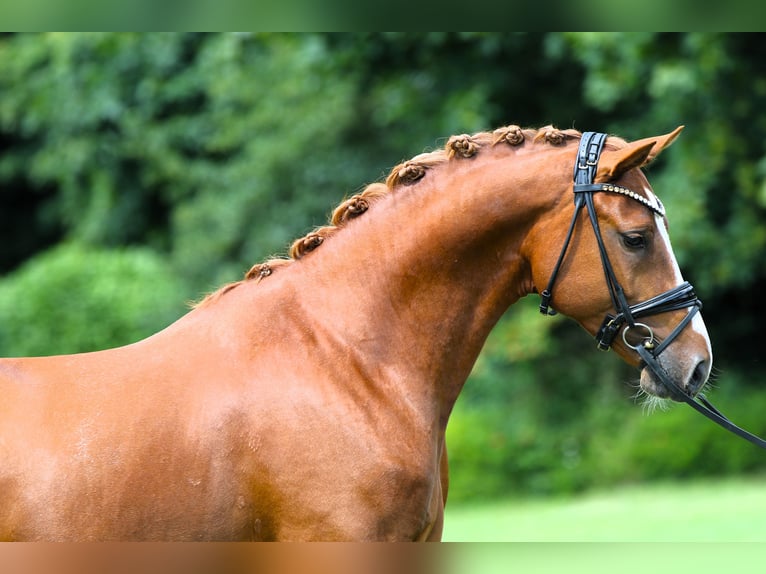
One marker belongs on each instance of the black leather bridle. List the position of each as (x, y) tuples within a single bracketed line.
[(626, 315)]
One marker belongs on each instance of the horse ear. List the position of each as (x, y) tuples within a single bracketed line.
[(636, 154), (614, 163), (660, 142)]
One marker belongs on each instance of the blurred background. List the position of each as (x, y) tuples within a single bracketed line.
[(140, 171)]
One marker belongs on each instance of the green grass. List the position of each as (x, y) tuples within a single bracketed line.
[(721, 511)]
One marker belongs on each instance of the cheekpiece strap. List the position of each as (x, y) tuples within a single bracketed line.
[(591, 144)]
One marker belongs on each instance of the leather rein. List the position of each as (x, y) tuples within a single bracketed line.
[(625, 318)]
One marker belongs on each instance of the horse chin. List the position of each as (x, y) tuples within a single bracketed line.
[(654, 389)]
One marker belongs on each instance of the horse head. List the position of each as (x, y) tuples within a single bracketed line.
[(616, 273)]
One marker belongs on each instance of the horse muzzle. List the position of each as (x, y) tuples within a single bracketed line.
[(670, 377)]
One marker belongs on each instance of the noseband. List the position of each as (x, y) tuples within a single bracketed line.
[(626, 315)]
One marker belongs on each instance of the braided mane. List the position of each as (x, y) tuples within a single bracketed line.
[(405, 174)]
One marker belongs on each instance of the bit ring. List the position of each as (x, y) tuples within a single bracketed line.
[(647, 342)]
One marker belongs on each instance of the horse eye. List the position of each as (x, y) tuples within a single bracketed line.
[(634, 241)]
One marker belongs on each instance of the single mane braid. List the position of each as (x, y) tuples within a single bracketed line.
[(512, 135), (462, 147), (310, 242)]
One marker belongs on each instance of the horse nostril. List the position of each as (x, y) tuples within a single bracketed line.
[(698, 378)]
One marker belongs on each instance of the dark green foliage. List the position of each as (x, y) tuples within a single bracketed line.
[(168, 164)]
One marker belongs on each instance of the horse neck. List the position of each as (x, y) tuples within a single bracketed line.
[(420, 280)]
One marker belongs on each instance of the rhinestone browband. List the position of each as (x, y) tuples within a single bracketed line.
[(656, 205)]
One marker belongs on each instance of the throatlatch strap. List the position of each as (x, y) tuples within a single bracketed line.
[(591, 144)]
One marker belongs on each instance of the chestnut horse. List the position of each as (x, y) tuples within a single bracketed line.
[(309, 401)]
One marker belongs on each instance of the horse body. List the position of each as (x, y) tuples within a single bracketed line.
[(311, 404), (150, 442)]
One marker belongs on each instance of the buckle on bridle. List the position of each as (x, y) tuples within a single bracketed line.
[(545, 304), (607, 332)]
